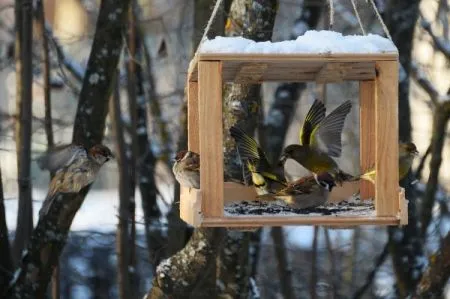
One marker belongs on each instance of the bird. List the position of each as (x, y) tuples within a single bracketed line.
[(79, 171), (266, 178), (187, 169), (307, 192), (406, 154), (320, 140)]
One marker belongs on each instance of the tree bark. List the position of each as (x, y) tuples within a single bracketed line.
[(253, 20), (24, 84), (125, 186), (190, 273), (6, 262), (49, 236), (284, 266), (435, 278)]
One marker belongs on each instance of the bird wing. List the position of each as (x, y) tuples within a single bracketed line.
[(60, 156), (327, 135), (313, 118), (249, 149)]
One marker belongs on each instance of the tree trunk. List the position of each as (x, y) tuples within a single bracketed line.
[(6, 262), (24, 83), (49, 236), (122, 238), (284, 268)]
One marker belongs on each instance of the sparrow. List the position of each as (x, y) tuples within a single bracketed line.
[(267, 179), (320, 140), (307, 192), (79, 171), (406, 154), (187, 169)]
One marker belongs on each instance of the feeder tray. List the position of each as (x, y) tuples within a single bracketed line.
[(378, 95)]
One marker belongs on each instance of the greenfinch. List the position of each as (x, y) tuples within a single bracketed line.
[(307, 192), (320, 140), (406, 154), (265, 178)]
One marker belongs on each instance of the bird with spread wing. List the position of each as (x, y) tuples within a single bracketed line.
[(320, 141)]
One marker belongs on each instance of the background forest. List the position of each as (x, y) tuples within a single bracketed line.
[(114, 71)]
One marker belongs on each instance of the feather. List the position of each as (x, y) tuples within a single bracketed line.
[(326, 137), (313, 118)]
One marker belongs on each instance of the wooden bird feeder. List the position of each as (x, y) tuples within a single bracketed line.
[(378, 94)]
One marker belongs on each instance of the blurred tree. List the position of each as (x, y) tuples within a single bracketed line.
[(24, 83), (6, 262), (49, 236)]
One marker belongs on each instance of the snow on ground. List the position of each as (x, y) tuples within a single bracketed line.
[(99, 211), (323, 42)]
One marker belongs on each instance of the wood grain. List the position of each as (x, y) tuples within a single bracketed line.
[(193, 130), (250, 73), (211, 137), (190, 206), (259, 221), (403, 204), (386, 139), (366, 134)]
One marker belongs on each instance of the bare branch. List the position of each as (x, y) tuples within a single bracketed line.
[(440, 43), (369, 279)]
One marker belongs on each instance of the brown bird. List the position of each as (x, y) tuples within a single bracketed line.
[(187, 169), (79, 170), (308, 191), (320, 140)]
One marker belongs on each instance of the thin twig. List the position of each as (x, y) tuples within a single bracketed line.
[(440, 43), (331, 3), (380, 260)]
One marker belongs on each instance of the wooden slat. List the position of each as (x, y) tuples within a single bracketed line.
[(211, 137), (190, 206), (403, 204), (193, 130), (259, 221), (366, 134), (331, 72), (386, 139), (234, 192), (250, 73), (284, 67)]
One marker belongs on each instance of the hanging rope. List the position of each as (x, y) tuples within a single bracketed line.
[(357, 17), (380, 19), (331, 13), (208, 25)]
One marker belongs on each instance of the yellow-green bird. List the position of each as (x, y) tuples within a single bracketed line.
[(320, 140), (406, 154), (265, 178), (307, 192)]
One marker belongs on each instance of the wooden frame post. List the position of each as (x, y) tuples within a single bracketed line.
[(210, 132), (386, 136), (193, 130), (366, 134)]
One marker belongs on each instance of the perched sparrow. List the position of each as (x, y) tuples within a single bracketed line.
[(306, 192), (265, 178), (406, 154), (81, 171), (187, 169), (320, 139)]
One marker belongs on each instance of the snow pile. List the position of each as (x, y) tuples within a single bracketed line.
[(317, 42)]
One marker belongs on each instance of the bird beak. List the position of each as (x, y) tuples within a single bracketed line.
[(415, 152), (110, 157), (283, 159)]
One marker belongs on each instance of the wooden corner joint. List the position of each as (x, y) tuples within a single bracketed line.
[(190, 206), (403, 207)]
